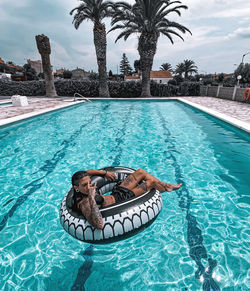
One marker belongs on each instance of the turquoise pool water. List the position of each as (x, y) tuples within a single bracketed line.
[(200, 240), (5, 104)]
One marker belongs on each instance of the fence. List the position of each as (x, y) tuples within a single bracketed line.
[(229, 93)]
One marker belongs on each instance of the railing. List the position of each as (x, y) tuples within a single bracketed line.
[(82, 97)]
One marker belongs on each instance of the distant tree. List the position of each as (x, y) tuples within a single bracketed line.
[(178, 79), (125, 67), (110, 73), (29, 72), (179, 70), (187, 68), (244, 71), (4, 68), (40, 75), (221, 78), (8, 68), (137, 65), (166, 67), (67, 74), (10, 63), (230, 82)]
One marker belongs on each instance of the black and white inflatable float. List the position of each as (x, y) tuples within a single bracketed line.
[(121, 220)]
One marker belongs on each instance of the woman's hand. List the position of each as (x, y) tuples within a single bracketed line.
[(91, 190), (110, 176)]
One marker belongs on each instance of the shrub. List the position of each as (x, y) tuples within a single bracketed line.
[(189, 89), (90, 88), (67, 74), (28, 88)]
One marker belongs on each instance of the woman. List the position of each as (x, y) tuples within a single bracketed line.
[(136, 184)]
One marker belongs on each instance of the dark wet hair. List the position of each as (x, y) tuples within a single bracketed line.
[(78, 176)]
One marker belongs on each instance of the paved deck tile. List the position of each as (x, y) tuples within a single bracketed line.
[(234, 109)]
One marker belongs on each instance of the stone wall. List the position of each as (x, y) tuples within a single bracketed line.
[(229, 93), (239, 94), (226, 93), (212, 91)]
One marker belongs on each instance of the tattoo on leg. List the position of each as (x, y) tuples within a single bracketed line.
[(129, 180), (143, 186)]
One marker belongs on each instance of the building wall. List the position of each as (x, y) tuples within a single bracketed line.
[(133, 80), (36, 65), (5, 76), (78, 74), (161, 80)]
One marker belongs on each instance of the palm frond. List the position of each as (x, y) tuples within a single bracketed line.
[(125, 34)]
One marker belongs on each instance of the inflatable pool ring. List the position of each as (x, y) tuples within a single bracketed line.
[(247, 94), (121, 220)]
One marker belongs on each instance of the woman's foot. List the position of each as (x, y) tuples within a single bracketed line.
[(172, 187)]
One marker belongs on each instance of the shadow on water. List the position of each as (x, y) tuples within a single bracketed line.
[(120, 139), (84, 271), (197, 250)]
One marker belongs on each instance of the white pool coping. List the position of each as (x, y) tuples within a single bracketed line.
[(22, 117), (224, 117)]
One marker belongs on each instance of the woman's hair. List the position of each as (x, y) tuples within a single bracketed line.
[(78, 176)]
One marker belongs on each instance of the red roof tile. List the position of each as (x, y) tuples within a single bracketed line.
[(160, 74)]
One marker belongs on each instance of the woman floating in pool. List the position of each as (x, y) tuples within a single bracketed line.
[(136, 184)]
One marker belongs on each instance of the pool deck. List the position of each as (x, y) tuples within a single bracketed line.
[(235, 113), (10, 114)]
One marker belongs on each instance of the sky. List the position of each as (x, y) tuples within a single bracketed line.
[(220, 36)]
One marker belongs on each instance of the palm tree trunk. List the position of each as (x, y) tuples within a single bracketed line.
[(147, 49), (44, 49), (100, 48)]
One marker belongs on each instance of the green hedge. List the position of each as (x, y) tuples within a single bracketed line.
[(28, 88), (90, 88), (189, 89)]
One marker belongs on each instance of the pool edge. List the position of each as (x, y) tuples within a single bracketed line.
[(221, 116), (12, 120), (231, 120)]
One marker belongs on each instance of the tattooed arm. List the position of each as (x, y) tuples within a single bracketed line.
[(90, 209), (96, 216)]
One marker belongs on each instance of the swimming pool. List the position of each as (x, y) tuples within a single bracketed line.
[(5, 104), (203, 224)]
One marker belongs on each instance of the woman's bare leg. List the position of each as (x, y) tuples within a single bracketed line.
[(132, 181), (149, 183)]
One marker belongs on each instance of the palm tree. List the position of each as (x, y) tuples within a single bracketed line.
[(187, 67), (96, 11), (166, 67), (149, 19), (179, 70)]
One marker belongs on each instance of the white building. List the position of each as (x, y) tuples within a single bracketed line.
[(36, 65), (5, 76), (161, 77), (132, 78)]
